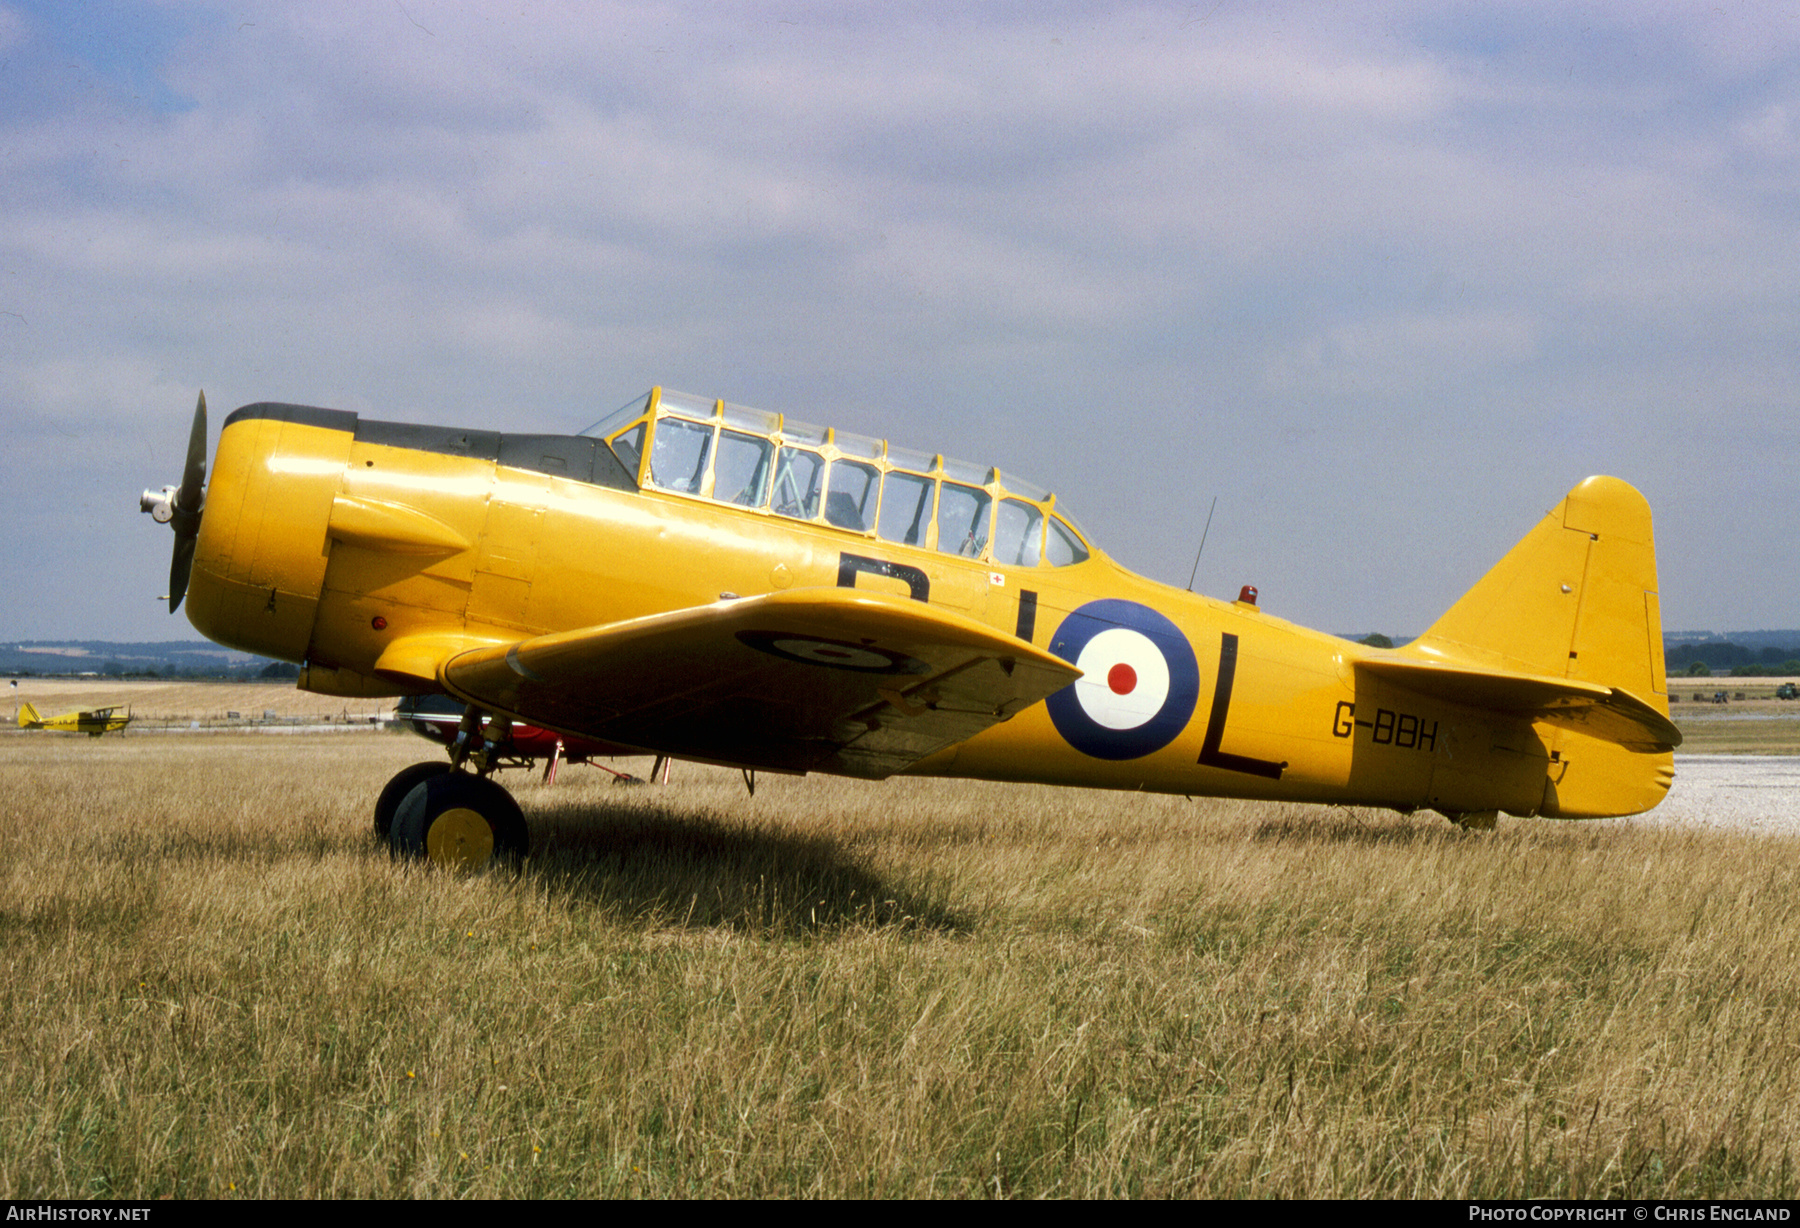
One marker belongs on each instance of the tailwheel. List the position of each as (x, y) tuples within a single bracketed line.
[(395, 791), (460, 821), (1476, 820)]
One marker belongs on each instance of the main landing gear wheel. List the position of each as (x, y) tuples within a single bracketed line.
[(459, 821), (395, 791)]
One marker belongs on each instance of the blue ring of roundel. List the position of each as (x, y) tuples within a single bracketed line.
[(1089, 736)]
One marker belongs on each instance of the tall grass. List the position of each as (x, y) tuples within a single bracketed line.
[(214, 983)]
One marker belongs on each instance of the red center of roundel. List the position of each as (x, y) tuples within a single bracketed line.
[(1122, 679)]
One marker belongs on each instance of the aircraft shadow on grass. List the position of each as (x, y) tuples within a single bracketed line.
[(686, 868)]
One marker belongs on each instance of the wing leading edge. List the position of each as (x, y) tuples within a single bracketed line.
[(858, 683)]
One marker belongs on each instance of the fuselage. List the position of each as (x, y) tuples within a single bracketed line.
[(362, 549)]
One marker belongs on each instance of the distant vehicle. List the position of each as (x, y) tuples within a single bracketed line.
[(94, 724), (1787, 690), (1718, 697)]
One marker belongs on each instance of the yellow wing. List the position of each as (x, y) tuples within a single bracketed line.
[(853, 682)]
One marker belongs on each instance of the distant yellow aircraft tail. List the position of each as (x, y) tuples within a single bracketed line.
[(28, 716), (1566, 629)]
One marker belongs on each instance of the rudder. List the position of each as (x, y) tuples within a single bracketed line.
[(1577, 599)]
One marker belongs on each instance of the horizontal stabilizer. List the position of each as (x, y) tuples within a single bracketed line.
[(1609, 713), (859, 683)]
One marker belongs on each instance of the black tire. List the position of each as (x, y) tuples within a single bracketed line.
[(460, 821), (395, 791)]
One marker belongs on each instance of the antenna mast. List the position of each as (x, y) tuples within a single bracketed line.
[(1202, 550)]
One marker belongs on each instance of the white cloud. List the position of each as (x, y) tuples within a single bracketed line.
[(1051, 237), (1402, 355), (13, 30)]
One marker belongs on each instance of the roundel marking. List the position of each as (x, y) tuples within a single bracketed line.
[(1124, 681), (833, 654), (1139, 680), (838, 656)]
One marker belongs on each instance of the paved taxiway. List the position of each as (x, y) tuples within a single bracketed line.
[(1750, 792)]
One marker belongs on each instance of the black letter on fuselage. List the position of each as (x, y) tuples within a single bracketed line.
[(1027, 615), (1210, 754), (912, 577)]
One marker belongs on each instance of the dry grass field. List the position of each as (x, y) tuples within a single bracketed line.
[(173, 703), (214, 984)]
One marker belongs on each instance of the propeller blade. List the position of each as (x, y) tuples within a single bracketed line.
[(180, 566), (193, 476), (186, 507)]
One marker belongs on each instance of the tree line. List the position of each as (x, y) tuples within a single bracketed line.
[(1703, 660)]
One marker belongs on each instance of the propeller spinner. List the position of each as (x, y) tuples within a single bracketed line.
[(180, 507)]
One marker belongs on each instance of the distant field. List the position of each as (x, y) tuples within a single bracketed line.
[(1751, 721), (216, 985), (153, 702)]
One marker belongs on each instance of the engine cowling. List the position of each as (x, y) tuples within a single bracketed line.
[(259, 564)]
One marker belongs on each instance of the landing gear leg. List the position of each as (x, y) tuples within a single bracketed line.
[(468, 736)]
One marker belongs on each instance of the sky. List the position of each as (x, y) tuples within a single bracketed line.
[(1385, 280)]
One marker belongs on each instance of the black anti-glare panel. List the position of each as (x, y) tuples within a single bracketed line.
[(576, 457)]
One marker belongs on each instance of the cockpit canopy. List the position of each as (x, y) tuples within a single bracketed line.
[(689, 445)]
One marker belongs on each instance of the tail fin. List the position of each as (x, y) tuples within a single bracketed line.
[(1577, 600), (28, 716)]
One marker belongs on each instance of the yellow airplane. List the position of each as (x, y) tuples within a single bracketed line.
[(697, 579), (94, 724)]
